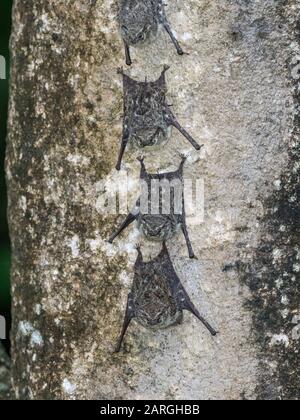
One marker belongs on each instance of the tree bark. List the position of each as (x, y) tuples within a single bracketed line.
[(236, 92)]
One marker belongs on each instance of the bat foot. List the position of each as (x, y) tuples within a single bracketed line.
[(181, 52), (199, 147)]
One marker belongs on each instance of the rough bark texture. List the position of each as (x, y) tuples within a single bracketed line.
[(237, 92)]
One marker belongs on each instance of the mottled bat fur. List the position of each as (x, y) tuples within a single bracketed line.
[(139, 21), (147, 119), (157, 224), (157, 298)]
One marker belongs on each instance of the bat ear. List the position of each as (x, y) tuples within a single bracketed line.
[(165, 248), (166, 68), (141, 159), (140, 255), (162, 79), (183, 160)]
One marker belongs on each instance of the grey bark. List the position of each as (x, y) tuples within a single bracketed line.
[(237, 92)]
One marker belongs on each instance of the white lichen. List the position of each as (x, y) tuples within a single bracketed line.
[(280, 339), (296, 329), (277, 254), (68, 387), (78, 160), (44, 19), (36, 339), (285, 313), (26, 329), (277, 184), (95, 244), (23, 203), (296, 268), (38, 309), (186, 36), (74, 245)]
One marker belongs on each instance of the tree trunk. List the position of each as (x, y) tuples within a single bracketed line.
[(236, 92)]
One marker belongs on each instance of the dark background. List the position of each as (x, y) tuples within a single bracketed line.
[(5, 27)]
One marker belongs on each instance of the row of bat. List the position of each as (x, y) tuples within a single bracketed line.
[(157, 298)]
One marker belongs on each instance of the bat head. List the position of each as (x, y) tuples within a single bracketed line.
[(161, 203), (137, 21), (158, 227)]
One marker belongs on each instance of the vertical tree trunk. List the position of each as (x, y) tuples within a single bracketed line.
[(237, 93)]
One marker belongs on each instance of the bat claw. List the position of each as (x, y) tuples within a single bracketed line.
[(183, 157), (116, 350), (199, 146)]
